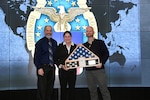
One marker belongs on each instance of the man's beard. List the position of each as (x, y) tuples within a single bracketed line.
[(48, 36)]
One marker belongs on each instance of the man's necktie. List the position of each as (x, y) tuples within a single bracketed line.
[(50, 53)]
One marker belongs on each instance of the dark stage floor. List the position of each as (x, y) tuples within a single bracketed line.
[(123, 93)]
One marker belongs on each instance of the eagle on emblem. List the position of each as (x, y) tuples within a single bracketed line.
[(62, 18)]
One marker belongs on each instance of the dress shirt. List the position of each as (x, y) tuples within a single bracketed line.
[(41, 55)]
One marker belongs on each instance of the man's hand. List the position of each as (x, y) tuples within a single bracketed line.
[(99, 65), (41, 72)]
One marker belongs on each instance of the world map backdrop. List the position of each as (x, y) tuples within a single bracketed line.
[(118, 23)]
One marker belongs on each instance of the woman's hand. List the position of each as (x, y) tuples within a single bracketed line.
[(65, 68)]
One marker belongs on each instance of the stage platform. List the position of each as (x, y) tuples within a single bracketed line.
[(117, 93)]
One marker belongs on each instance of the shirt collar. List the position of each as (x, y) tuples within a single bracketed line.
[(64, 43)]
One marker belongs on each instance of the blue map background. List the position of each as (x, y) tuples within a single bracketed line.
[(119, 26)]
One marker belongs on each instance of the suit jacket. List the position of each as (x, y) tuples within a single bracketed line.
[(62, 53)]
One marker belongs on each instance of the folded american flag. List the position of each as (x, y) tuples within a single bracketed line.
[(81, 57)]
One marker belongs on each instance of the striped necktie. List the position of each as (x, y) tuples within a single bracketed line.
[(50, 53)]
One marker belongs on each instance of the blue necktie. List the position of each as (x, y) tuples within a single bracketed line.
[(50, 53)]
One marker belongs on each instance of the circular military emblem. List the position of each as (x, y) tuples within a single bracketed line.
[(62, 15)]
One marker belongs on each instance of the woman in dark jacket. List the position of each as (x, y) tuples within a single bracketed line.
[(67, 77)]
